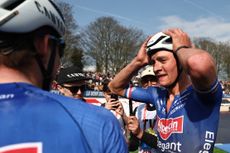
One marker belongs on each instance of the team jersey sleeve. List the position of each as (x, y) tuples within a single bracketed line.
[(148, 95), (211, 96)]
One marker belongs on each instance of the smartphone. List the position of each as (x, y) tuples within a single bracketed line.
[(114, 96)]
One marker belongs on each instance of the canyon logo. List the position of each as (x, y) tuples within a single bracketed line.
[(166, 127)]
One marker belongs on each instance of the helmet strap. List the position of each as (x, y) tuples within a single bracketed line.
[(47, 73)]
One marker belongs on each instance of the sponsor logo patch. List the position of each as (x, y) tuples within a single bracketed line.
[(166, 127)]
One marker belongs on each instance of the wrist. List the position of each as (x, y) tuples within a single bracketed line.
[(137, 64), (180, 47)]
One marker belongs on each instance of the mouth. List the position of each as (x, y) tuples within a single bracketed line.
[(160, 75)]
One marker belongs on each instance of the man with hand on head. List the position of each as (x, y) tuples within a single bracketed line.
[(188, 103), (32, 119)]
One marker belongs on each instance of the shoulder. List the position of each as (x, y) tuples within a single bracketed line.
[(81, 110), (77, 109), (151, 89), (157, 91)]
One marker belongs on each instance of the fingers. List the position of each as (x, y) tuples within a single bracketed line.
[(173, 31), (133, 125), (114, 105), (119, 109), (142, 56), (133, 122), (179, 37), (108, 105)]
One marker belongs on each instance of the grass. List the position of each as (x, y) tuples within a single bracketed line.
[(217, 150), (134, 151)]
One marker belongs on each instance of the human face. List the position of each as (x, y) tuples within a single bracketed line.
[(75, 90), (164, 67), (148, 80)]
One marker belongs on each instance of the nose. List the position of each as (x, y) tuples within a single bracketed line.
[(149, 83), (157, 67), (78, 94)]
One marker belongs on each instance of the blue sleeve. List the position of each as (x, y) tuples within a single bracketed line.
[(148, 95), (213, 95)]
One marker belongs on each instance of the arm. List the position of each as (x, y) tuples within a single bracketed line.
[(197, 63), (122, 79), (121, 112), (147, 138)]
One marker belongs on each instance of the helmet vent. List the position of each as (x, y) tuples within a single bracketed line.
[(159, 39), (168, 41), (14, 5)]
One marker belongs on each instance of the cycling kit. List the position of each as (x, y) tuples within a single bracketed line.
[(36, 121), (190, 125)]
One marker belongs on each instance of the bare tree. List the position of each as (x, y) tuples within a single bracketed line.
[(110, 44), (73, 53)]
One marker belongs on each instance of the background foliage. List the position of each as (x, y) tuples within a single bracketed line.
[(108, 46)]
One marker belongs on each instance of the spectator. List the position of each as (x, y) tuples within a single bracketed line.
[(113, 104), (188, 103), (34, 120), (71, 82), (141, 125)]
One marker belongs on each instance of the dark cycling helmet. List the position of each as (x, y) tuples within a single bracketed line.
[(159, 41), (23, 16)]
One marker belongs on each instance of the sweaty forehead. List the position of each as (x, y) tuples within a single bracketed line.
[(162, 54)]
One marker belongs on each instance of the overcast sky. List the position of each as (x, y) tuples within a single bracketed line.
[(199, 18)]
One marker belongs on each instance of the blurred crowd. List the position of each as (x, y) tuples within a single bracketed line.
[(225, 86)]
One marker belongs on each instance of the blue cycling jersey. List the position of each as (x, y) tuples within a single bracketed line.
[(36, 121), (190, 125)]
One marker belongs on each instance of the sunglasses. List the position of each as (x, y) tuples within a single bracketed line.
[(61, 44), (147, 79), (75, 89)]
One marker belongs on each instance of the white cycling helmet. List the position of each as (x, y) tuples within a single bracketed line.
[(159, 41), (22, 16), (148, 70)]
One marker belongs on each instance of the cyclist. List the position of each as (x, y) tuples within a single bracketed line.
[(189, 100), (34, 120)]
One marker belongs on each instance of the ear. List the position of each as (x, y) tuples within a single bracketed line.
[(41, 44)]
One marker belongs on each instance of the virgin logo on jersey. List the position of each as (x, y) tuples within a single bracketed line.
[(34, 147), (166, 127)]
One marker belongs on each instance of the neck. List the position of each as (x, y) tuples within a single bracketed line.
[(181, 85), (9, 75)]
